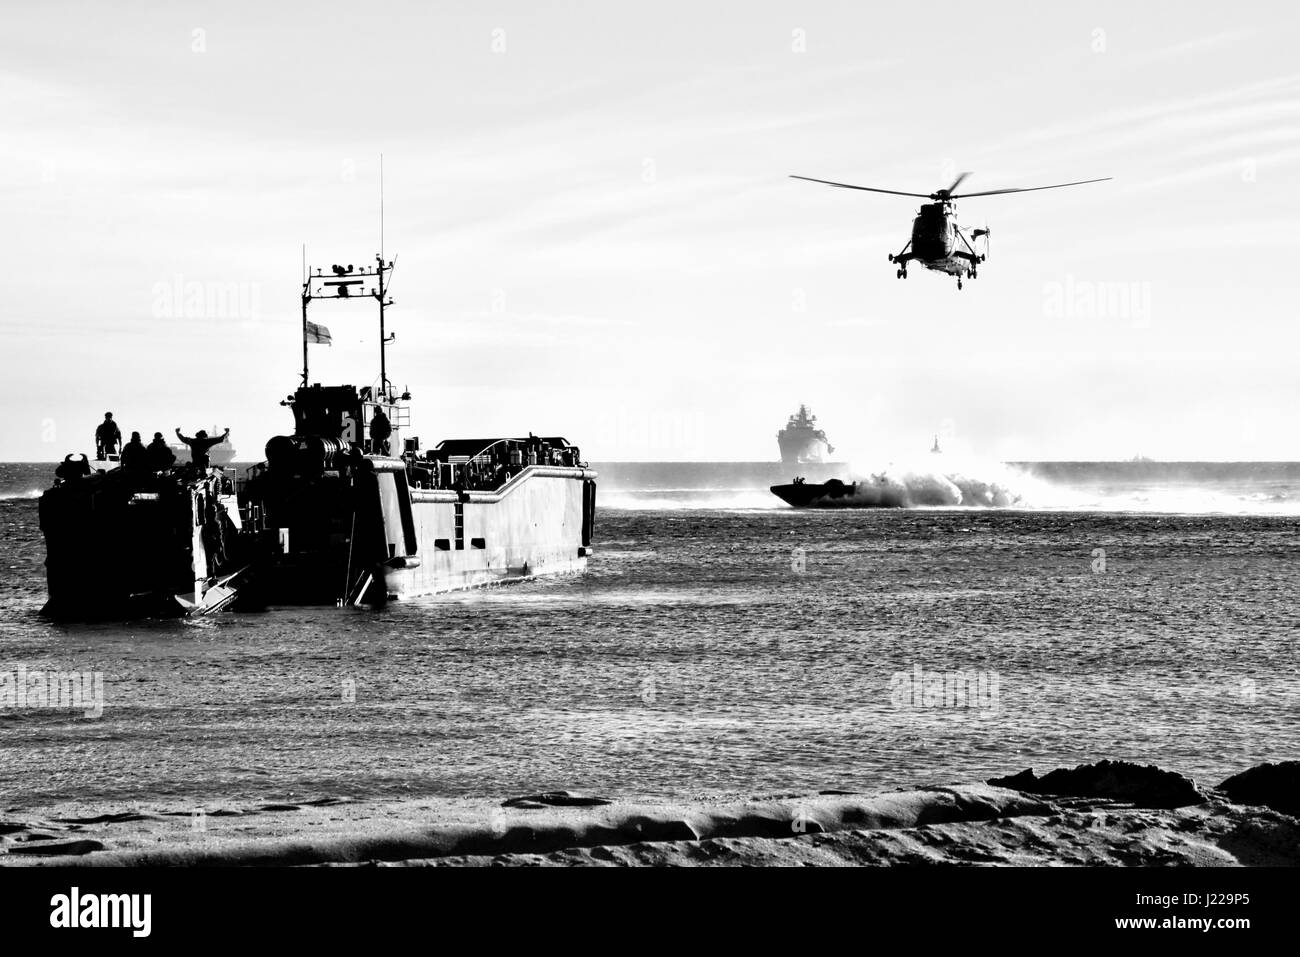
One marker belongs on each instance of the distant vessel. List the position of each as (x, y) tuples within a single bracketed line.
[(801, 442), (221, 454), (935, 448)]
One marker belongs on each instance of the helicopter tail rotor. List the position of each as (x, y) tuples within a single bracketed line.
[(983, 233)]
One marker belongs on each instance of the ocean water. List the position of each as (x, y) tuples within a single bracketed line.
[(719, 644)]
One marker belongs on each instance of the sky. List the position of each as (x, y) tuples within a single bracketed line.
[(596, 236)]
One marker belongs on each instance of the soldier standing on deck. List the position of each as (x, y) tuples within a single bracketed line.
[(380, 430), (160, 457), (199, 446), (107, 437), (135, 456)]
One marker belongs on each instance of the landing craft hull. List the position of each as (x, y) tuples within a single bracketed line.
[(534, 525), (832, 494), (378, 538), (126, 544)]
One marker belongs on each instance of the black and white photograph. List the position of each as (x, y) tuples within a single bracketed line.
[(450, 442)]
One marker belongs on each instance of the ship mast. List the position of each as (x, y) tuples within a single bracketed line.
[(340, 288), (381, 295), (383, 341), (339, 285), (306, 289)]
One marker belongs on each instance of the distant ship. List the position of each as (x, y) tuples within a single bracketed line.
[(801, 442), (935, 448), (221, 454)]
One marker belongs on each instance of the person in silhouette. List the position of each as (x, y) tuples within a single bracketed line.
[(199, 446), (107, 437), (380, 430), (160, 457), (134, 455)]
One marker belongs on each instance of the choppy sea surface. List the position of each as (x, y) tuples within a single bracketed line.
[(720, 642)]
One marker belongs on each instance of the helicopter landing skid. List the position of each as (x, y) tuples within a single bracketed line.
[(901, 260), (970, 256), (971, 270)]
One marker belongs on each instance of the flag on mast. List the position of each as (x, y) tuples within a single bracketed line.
[(318, 334)]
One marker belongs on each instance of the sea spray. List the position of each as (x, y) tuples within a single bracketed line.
[(34, 493), (962, 480), (938, 481)]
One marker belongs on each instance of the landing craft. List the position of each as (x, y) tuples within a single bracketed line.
[(830, 494), (348, 509), (938, 242)]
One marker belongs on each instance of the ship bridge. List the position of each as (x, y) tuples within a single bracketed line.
[(343, 414)]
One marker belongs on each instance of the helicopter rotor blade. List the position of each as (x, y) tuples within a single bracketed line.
[(869, 189), (1030, 189), (955, 183)]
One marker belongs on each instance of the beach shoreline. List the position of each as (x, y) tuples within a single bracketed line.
[(1107, 814)]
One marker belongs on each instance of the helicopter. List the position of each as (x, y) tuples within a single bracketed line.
[(938, 242)]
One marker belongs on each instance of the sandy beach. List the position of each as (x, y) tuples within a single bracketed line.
[(1108, 813)]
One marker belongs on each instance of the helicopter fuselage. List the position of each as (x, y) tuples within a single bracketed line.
[(933, 233), (939, 243)]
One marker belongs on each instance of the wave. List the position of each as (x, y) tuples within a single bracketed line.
[(20, 496), (662, 500), (1168, 500), (953, 481), (933, 484)]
